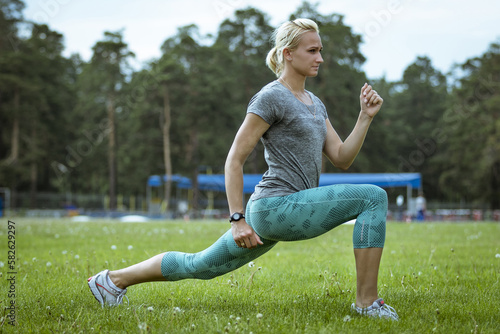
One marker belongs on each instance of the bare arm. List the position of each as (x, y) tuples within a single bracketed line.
[(342, 154), (248, 135)]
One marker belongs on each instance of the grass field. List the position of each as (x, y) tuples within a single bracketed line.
[(440, 277)]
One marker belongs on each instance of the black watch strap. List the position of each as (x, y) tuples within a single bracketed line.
[(236, 216)]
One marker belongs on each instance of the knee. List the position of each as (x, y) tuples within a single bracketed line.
[(378, 196)]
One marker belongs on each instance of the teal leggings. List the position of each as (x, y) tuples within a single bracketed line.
[(299, 216)]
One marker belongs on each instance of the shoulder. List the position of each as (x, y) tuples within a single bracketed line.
[(269, 92), (268, 102)]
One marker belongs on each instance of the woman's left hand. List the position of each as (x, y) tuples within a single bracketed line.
[(370, 100)]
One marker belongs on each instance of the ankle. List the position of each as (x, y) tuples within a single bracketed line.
[(117, 281), (364, 302)]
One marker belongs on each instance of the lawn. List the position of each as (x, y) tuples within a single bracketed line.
[(440, 277)]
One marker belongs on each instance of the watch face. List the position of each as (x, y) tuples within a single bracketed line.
[(236, 216)]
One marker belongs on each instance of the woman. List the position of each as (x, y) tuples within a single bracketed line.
[(287, 204)]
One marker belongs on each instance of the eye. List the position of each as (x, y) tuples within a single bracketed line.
[(315, 50)]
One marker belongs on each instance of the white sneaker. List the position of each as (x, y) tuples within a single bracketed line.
[(377, 310), (106, 294)]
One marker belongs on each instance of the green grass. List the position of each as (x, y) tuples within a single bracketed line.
[(440, 277)]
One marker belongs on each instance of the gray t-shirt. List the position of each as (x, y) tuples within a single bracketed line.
[(293, 145)]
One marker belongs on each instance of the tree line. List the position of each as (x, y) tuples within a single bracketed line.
[(100, 126)]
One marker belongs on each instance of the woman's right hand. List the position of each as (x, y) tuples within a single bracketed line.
[(244, 235)]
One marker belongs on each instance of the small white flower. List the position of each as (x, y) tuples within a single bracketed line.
[(260, 315), (181, 231), (177, 310), (48, 308), (113, 247), (1, 264), (33, 259), (48, 264), (64, 252), (56, 236), (497, 256), (142, 326), (347, 318), (150, 309), (251, 264), (77, 256), (130, 247)]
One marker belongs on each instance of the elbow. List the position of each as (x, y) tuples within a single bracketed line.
[(344, 167), (232, 165), (338, 159), (344, 164)]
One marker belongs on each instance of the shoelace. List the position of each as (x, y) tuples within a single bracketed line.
[(383, 310), (388, 310), (119, 297)]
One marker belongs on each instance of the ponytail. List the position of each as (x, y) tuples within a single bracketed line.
[(274, 61)]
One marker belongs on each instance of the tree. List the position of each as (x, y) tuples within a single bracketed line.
[(50, 75), (35, 94), (419, 105), (11, 85), (471, 133), (241, 48), (101, 83), (10, 17), (139, 134), (246, 38), (151, 96)]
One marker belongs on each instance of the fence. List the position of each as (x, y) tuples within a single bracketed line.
[(61, 205)]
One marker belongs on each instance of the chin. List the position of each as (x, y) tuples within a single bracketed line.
[(314, 73)]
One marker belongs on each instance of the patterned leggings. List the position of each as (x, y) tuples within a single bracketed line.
[(299, 216)]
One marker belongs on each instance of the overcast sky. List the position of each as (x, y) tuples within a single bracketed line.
[(395, 32)]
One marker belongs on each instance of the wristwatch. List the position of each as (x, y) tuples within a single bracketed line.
[(236, 216)]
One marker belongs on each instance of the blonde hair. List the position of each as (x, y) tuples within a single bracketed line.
[(288, 35)]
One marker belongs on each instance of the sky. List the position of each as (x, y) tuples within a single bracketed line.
[(394, 32)]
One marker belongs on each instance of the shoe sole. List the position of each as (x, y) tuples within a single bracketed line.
[(95, 291)]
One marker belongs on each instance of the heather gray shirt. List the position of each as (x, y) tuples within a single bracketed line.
[(293, 145)]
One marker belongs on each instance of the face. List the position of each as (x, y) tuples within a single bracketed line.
[(305, 60)]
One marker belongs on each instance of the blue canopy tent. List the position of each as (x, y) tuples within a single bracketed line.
[(215, 182)]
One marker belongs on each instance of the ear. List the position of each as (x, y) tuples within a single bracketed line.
[(287, 54)]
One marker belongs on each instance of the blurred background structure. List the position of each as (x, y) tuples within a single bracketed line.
[(84, 136)]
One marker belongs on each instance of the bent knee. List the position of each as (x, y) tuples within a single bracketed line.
[(377, 195)]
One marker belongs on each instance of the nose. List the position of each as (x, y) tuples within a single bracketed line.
[(320, 58)]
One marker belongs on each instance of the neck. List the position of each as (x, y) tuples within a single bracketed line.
[(295, 82)]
